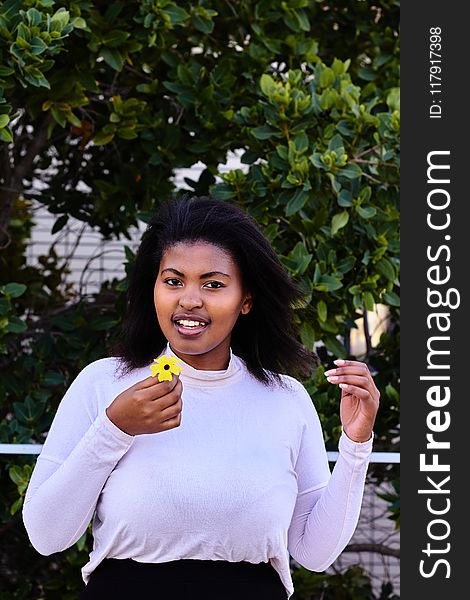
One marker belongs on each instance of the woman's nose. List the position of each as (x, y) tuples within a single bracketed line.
[(190, 299)]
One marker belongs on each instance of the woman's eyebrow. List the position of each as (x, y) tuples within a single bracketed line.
[(203, 276), (213, 273), (172, 271)]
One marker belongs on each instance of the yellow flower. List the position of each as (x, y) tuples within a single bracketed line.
[(164, 367)]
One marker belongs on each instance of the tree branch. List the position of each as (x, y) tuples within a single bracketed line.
[(379, 548), (373, 149), (15, 179), (367, 336)]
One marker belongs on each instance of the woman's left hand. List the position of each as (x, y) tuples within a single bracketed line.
[(359, 398)]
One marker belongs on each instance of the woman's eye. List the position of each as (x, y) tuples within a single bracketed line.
[(214, 285), (172, 281)]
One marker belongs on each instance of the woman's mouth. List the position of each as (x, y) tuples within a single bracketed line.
[(189, 327)]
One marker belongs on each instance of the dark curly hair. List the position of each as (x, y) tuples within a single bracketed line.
[(267, 338)]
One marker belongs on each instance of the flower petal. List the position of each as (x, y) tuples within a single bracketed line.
[(164, 376), (155, 370), (164, 366)]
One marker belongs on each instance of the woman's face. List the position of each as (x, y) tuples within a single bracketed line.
[(198, 298)]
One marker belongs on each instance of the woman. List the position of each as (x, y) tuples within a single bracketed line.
[(202, 485)]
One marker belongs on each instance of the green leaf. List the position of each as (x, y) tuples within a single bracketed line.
[(354, 289), (60, 19), (345, 198), (54, 378), (365, 194), (37, 45), (327, 77), (367, 212), (336, 143), (264, 132), (367, 74), (122, 286), (16, 506), (23, 33), (29, 410), (307, 335), (303, 20), (16, 474), (176, 14), (357, 302), (393, 98), (58, 116), (223, 191), (391, 298), (127, 133), (392, 392), (270, 232), (297, 202), (16, 325), (14, 290), (345, 265), (300, 257), (339, 67), (385, 268), (335, 346), (79, 23), (328, 283), (102, 138), (6, 135), (201, 24), (4, 120), (4, 307), (267, 85), (338, 221), (115, 38), (301, 142), (103, 323), (351, 171), (369, 302), (335, 184), (34, 17), (6, 71), (60, 223), (322, 310), (81, 542), (113, 58), (38, 81), (64, 323)]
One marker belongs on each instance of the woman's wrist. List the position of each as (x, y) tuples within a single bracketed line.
[(361, 439)]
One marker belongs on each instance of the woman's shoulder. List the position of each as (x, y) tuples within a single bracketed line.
[(104, 369), (101, 365), (297, 394), (278, 382), (292, 383)]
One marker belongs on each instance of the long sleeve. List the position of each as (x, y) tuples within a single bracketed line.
[(80, 451), (326, 514)]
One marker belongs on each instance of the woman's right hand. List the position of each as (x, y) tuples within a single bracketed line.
[(149, 406)]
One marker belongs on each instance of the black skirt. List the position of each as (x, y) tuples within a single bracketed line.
[(186, 579)]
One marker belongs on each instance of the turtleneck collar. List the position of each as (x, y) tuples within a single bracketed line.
[(200, 378)]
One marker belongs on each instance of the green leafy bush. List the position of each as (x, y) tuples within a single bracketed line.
[(101, 102)]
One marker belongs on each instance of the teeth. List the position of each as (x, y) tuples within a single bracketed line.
[(186, 323)]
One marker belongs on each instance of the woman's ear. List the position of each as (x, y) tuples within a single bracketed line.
[(247, 304)]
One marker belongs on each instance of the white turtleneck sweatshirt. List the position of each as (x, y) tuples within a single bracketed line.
[(245, 477)]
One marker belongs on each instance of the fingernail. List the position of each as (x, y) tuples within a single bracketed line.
[(332, 379), (339, 361), (343, 385), (330, 372)]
